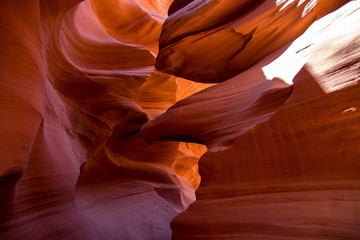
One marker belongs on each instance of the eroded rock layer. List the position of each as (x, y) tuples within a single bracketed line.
[(296, 174), (105, 116), (73, 101), (212, 41)]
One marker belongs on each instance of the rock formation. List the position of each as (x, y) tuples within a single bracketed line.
[(159, 119)]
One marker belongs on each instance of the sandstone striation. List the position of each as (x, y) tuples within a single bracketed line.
[(295, 175), (212, 41), (159, 119), (73, 98)]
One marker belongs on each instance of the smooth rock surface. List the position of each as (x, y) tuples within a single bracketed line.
[(107, 106), (73, 99), (212, 41)]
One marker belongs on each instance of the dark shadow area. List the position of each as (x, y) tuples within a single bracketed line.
[(177, 5), (7, 191)]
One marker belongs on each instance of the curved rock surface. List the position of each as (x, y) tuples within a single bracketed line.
[(73, 99), (101, 136), (212, 41), (295, 175)]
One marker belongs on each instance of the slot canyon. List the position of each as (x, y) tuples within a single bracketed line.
[(180, 119)]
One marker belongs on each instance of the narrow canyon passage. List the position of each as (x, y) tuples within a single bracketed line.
[(161, 119)]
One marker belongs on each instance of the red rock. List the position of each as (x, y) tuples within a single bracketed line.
[(84, 115), (177, 5), (71, 94), (212, 41), (293, 176)]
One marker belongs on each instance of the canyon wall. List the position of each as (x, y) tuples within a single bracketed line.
[(159, 119)]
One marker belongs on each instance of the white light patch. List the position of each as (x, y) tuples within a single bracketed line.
[(300, 2), (291, 61), (279, 2), (339, 23), (308, 7), (352, 109), (287, 4)]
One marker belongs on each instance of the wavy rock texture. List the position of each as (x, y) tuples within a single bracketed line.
[(294, 174), (92, 92), (73, 94), (212, 41)]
